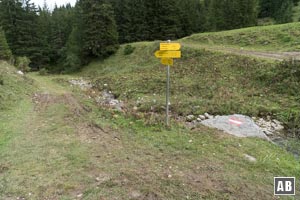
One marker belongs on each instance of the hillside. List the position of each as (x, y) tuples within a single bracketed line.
[(202, 81), (13, 86), (267, 38)]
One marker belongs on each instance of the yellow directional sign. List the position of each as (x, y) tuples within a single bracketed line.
[(167, 61), (168, 54), (170, 46)]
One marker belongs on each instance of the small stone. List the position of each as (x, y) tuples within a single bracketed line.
[(279, 127), (190, 118), (190, 141), (206, 115), (268, 133), (79, 195), (202, 117), (115, 116), (199, 120), (135, 194), (169, 176), (250, 158), (276, 121), (135, 108), (20, 73)]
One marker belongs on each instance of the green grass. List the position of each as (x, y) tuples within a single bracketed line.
[(202, 81), (267, 38), (64, 145), (13, 86), (49, 151)]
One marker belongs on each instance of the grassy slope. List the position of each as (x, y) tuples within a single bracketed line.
[(13, 87), (202, 81), (267, 38), (205, 81), (49, 157)]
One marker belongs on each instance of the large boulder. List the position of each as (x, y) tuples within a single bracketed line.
[(237, 125)]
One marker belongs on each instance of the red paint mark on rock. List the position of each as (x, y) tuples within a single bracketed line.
[(235, 121)]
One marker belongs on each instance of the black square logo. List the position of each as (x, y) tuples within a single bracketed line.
[(284, 186)]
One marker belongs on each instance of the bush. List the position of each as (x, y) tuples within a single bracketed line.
[(43, 72), (22, 63), (128, 49)]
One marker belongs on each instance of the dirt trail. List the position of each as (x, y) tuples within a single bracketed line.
[(279, 56)]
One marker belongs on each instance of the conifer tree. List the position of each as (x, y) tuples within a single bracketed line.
[(100, 34), (5, 52), (123, 19), (280, 10)]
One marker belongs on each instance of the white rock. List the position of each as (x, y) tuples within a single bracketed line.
[(206, 115), (190, 118), (247, 129), (202, 117), (250, 158), (114, 102), (276, 121), (199, 120), (20, 72), (279, 127)]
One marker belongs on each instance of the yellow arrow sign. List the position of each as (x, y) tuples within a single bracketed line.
[(168, 54), (170, 46), (167, 61)]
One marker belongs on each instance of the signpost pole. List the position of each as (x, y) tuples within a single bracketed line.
[(168, 94), (167, 52)]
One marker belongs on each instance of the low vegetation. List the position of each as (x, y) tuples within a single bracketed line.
[(13, 86), (202, 81), (268, 38), (58, 144)]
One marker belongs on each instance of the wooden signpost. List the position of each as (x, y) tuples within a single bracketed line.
[(168, 51)]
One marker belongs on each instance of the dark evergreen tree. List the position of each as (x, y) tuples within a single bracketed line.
[(229, 14), (100, 34), (123, 19), (138, 30), (61, 27), (192, 17), (5, 52), (280, 10), (73, 55)]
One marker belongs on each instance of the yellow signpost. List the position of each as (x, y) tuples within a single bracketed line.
[(170, 46), (168, 54), (167, 61)]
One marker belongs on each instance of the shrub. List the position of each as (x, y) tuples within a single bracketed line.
[(128, 49), (43, 72), (22, 63)]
